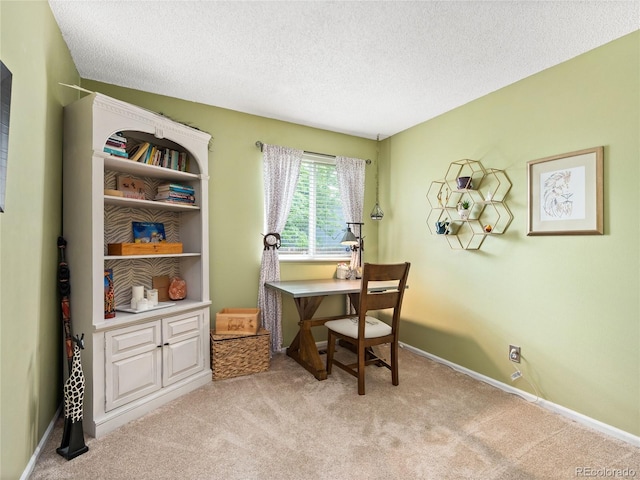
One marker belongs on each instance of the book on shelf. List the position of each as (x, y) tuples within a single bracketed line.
[(154, 158), (174, 160), (137, 151), (176, 197), (150, 154), (177, 202), (175, 193), (116, 145), (119, 137), (119, 152), (114, 148), (176, 190), (182, 162), (175, 187), (151, 151)]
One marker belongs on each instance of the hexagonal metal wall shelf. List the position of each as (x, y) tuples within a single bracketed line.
[(489, 214)]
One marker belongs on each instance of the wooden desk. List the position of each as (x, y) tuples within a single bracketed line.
[(307, 295)]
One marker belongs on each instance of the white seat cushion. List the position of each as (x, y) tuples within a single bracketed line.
[(349, 326)]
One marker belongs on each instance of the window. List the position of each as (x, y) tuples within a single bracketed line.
[(316, 224)]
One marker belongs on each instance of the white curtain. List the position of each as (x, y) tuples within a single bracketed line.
[(351, 174), (281, 167)]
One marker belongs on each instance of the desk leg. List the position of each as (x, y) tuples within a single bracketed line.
[(303, 348)]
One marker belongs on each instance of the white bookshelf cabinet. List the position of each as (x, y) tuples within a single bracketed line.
[(133, 362)]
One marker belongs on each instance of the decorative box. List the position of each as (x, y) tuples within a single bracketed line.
[(232, 321), (236, 355), (143, 248)]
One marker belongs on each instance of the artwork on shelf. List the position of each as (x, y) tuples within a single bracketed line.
[(566, 194), (148, 232), (131, 187)]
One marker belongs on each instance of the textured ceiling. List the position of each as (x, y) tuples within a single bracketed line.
[(362, 68)]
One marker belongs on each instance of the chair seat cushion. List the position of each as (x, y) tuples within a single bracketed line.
[(349, 326)]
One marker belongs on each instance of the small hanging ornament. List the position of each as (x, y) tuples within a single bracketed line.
[(377, 213)]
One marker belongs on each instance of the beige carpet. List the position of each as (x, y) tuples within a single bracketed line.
[(284, 424)]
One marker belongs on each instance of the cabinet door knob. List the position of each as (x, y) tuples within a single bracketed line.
[(167, 343)]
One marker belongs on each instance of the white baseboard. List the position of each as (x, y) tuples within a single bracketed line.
[(34, 458), (565, 412)]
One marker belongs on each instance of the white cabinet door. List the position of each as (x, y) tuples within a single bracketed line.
[(133, 363), (182, 346)]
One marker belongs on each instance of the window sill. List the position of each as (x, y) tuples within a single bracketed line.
[(309, 259)]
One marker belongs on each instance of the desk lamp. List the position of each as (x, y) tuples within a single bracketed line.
[(355, 243)]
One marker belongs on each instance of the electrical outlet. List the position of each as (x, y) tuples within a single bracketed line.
[(514, 353)]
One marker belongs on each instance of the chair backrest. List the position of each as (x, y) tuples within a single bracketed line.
[(386, 299)]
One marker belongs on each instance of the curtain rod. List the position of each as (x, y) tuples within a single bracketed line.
[(259, 144)]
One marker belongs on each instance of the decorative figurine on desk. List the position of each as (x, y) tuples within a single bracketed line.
[(72, 436), (342, 271)]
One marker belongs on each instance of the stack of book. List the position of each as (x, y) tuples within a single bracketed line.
[(176, 193), (117, 145), (150, 154)]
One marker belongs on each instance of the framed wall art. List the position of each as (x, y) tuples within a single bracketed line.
[(566, 194), (5, 112)]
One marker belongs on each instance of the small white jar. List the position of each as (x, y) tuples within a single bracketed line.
[(342, 272)]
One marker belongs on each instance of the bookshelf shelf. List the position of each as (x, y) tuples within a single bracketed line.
[(155, 204), (163, 255), (141, 169)]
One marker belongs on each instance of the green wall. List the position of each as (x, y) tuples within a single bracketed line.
[(30, 330), (571, 302)]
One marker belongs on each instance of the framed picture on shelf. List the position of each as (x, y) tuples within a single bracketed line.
[(131, 187), (566, 194), (148, 232)]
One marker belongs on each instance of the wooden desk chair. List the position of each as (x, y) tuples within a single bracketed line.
[(362, 331)]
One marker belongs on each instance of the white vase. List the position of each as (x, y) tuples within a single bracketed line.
[(464, 213)]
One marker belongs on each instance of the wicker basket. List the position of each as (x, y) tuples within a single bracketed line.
[(235, 355)]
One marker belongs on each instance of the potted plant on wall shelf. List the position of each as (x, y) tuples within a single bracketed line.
[(464, 209)]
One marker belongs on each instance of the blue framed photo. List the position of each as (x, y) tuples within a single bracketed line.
[(148, 232)]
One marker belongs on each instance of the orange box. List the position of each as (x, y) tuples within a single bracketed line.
[(143, 248), (231, 321)]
